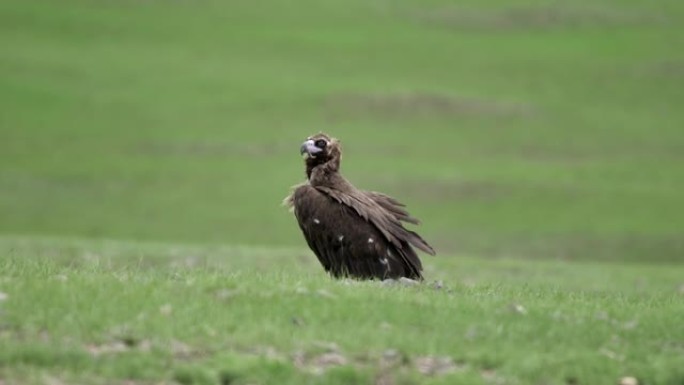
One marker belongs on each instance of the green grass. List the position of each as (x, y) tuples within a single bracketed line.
[(531, 129), (145, 147), (106, 312)]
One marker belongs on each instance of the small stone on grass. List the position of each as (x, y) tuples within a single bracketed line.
[(628, 380)]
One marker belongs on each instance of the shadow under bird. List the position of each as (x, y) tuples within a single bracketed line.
[(354, 233)]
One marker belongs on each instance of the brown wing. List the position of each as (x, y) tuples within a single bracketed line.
[(386, 214), (347, 242), (392, 205)]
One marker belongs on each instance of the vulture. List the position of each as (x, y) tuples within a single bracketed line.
[(354, 233)]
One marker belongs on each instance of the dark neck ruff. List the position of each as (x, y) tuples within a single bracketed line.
[(332, 165), (309, 169)]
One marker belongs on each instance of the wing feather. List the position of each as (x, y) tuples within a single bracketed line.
[(350, 236), (388, 221), (393, 206)]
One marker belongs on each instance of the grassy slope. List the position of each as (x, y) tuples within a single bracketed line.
[(103, 312), (537, 129)]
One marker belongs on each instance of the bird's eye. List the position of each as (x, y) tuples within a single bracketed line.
[(320, 143)]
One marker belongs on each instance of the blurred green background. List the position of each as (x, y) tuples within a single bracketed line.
[(548, 129)]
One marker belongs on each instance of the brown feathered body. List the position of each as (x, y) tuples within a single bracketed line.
[(354, 233)]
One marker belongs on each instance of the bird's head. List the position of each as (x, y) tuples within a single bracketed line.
[(321, 149)]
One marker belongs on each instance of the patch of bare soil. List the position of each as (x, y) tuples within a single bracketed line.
[(117, 347), (391, 362), (324, 357), (492, 377), (528, 17), (418, 104), (125, 344), (664, 69), (435, 366)]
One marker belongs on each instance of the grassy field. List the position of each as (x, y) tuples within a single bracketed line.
[(145, 147), (131, 313)]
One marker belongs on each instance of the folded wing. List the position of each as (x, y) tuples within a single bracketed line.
[(358, 234)]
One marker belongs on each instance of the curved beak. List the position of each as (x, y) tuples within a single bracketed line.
[(309, 148)]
